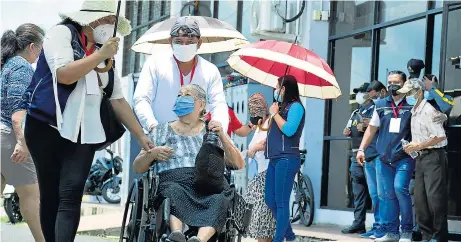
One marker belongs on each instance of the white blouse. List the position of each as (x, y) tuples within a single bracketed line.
[(82, 111), (259, 156)]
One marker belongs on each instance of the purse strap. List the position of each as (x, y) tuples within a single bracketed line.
[(108, 90)]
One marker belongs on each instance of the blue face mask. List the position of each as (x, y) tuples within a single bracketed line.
[(184, 105), (278, 97), (412, 100), (428, 96)]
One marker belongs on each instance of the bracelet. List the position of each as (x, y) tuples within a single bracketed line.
[(361, 150)]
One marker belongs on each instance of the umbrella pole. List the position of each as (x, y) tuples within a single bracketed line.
[(110, 61), (286, 71)]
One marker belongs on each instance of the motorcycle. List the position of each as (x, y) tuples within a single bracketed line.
[(104, 180), (11, 204)]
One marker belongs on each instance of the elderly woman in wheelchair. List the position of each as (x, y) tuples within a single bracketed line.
[(180, 146)]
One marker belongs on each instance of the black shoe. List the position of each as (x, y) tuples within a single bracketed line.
[(177, 236), (353, 230), (194, 239)]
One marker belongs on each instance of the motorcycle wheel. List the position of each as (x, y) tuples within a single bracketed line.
[(11, 206), (111, 194)]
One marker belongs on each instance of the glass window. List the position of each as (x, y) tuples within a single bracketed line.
[(453, 88), (452, 75), (391, 10), (351, 15), (352, 69), (438, 4), (338, 175), (436, 45), (400, 44)]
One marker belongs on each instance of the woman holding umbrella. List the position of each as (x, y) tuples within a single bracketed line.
[(282, 148), (64, 125)]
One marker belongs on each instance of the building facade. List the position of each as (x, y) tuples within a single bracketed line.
[(362, 41)]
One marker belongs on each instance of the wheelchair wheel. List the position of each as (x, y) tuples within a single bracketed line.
[(133, 207), (146, 234), (307, 202)]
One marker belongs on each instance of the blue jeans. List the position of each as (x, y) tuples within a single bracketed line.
[(394, 195), (359, 189), (279, 184), (370, 173)]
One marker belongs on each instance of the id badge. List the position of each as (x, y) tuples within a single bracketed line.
[(92, 84), (394, 127)]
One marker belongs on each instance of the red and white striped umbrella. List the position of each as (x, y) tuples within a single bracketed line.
[(266, 61)]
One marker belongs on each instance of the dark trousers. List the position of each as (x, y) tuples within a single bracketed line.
[(62, 168), (360, 191), (279, 184), (431, 198)]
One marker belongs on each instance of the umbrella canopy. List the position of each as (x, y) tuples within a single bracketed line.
[(266, 61), (218, 36)]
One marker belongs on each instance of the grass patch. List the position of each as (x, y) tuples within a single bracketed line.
[(6, 220)]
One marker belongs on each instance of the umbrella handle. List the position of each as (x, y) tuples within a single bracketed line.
[(105, 69), (260, 125)]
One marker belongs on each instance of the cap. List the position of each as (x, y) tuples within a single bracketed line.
[(376, 86), (362, 88), (187, 24), (412, 84), (414, 67)]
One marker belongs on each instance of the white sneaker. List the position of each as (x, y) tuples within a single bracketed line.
[(406, 237), (388, 238)]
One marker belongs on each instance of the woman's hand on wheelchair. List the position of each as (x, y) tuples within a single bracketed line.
[(216, 126), (162, 153)]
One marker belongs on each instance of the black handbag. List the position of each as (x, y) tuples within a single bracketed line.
[(210, 166), (113, 128)]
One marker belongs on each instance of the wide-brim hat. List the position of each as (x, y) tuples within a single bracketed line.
[(92, 10)]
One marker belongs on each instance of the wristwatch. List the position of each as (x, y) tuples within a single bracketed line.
[(361, 150)]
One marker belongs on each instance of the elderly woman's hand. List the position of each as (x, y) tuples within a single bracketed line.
[(216, 126), (162, 153)]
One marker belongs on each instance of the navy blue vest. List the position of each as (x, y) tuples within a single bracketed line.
[(279, 145), (39, 96), (389, 145)]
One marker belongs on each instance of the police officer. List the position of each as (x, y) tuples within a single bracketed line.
[(440, 101), (355, 128)]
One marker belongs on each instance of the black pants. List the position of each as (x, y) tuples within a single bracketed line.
[(431, 198), (62, 168), (360, 191)]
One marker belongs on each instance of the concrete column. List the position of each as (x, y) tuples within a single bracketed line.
[(175, 8), (314, 36)]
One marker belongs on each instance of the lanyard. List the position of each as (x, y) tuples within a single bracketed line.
[(396, 113), (87, 51), (191, 74)]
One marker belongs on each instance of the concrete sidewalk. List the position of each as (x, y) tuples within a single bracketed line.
[(113, 215)]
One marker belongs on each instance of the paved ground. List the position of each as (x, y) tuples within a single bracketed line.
[(15, 233)]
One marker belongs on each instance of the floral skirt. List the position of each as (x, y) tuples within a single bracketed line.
[(262, 224)]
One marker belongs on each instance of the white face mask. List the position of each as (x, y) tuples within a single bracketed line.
[(360, 98), (103, 33), (184, 53)]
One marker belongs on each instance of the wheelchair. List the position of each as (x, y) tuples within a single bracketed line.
[(149, 222)]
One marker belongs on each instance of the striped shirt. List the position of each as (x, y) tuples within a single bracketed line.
[(16, 76), (423, 126), (185, 148)]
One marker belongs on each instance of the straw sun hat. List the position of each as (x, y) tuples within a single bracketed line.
[(93, 10)]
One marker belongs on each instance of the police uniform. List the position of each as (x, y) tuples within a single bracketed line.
[(359, 184)]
